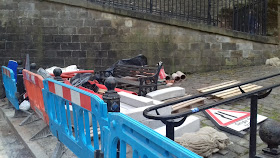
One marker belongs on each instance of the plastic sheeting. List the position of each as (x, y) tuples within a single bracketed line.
[(139, 60)]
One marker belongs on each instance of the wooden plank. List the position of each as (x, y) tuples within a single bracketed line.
[(187, 103), (230, 90), (172, 99), (238, 93), (234, 90), (207, 89), (204, 88)]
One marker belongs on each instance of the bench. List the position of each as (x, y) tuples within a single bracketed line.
[(143, 77)]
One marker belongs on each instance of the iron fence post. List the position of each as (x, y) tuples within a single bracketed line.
[(265, 18), (151, 6), (253, 125), (209, 12)]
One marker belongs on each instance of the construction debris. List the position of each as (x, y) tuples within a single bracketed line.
[(273, 61)]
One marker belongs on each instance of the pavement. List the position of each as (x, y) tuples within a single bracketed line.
[(239, 148), (11, 146)]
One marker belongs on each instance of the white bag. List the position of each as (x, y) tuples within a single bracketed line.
[(25, 105)]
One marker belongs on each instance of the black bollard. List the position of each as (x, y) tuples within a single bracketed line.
[(269, 133), (33, 67), (57, 72), (111, 97)]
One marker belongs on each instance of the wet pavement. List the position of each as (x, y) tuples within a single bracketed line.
[(10, 145)]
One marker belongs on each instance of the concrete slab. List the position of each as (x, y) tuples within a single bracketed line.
[(137, 113), (134, 100), (153, 124), (167, 93), (192, 124)]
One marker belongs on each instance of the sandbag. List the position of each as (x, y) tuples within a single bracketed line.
[(204, 142)]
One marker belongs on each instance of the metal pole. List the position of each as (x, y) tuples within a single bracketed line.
[(253, 125), (170, 129)]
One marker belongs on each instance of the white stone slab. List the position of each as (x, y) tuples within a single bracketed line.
[(167, 93), (191, 124), (137, 113), (134, 100), (153, 124)]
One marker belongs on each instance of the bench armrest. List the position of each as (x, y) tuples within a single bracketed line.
[(147, 80)]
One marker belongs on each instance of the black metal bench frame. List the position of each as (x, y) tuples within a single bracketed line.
[(146, 77)]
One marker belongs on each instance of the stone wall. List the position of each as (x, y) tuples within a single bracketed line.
[(59, 34)]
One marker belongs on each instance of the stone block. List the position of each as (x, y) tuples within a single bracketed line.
[(84, 30), (63, 53), (229, 46), (134, 100), (236, 53), (167, 93), (105, 46), (50, 30), (51, 46), (78, 54), (67, 30), (103, 23), (74, 23), (2, 45), (244, 46), (223, 39), (137, 113), (216, 46), (48, 14), (90, 46), (62, 38), (26, 6), (191, 124), (153, 124), (70, 46)]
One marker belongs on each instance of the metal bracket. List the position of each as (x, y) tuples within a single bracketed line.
[(21, 113), (242, 91), (175, 124), (43, 133), (29, 119), (261, 96), (59, 150)]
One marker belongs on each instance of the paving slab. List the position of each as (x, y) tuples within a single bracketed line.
[(166, 93)]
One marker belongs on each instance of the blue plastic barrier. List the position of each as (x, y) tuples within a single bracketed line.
[(114, 127), (10, 86), (143, 141), (58, 100)]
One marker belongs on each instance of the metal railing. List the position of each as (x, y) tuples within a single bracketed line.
[(248, 16), (170, 123)]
